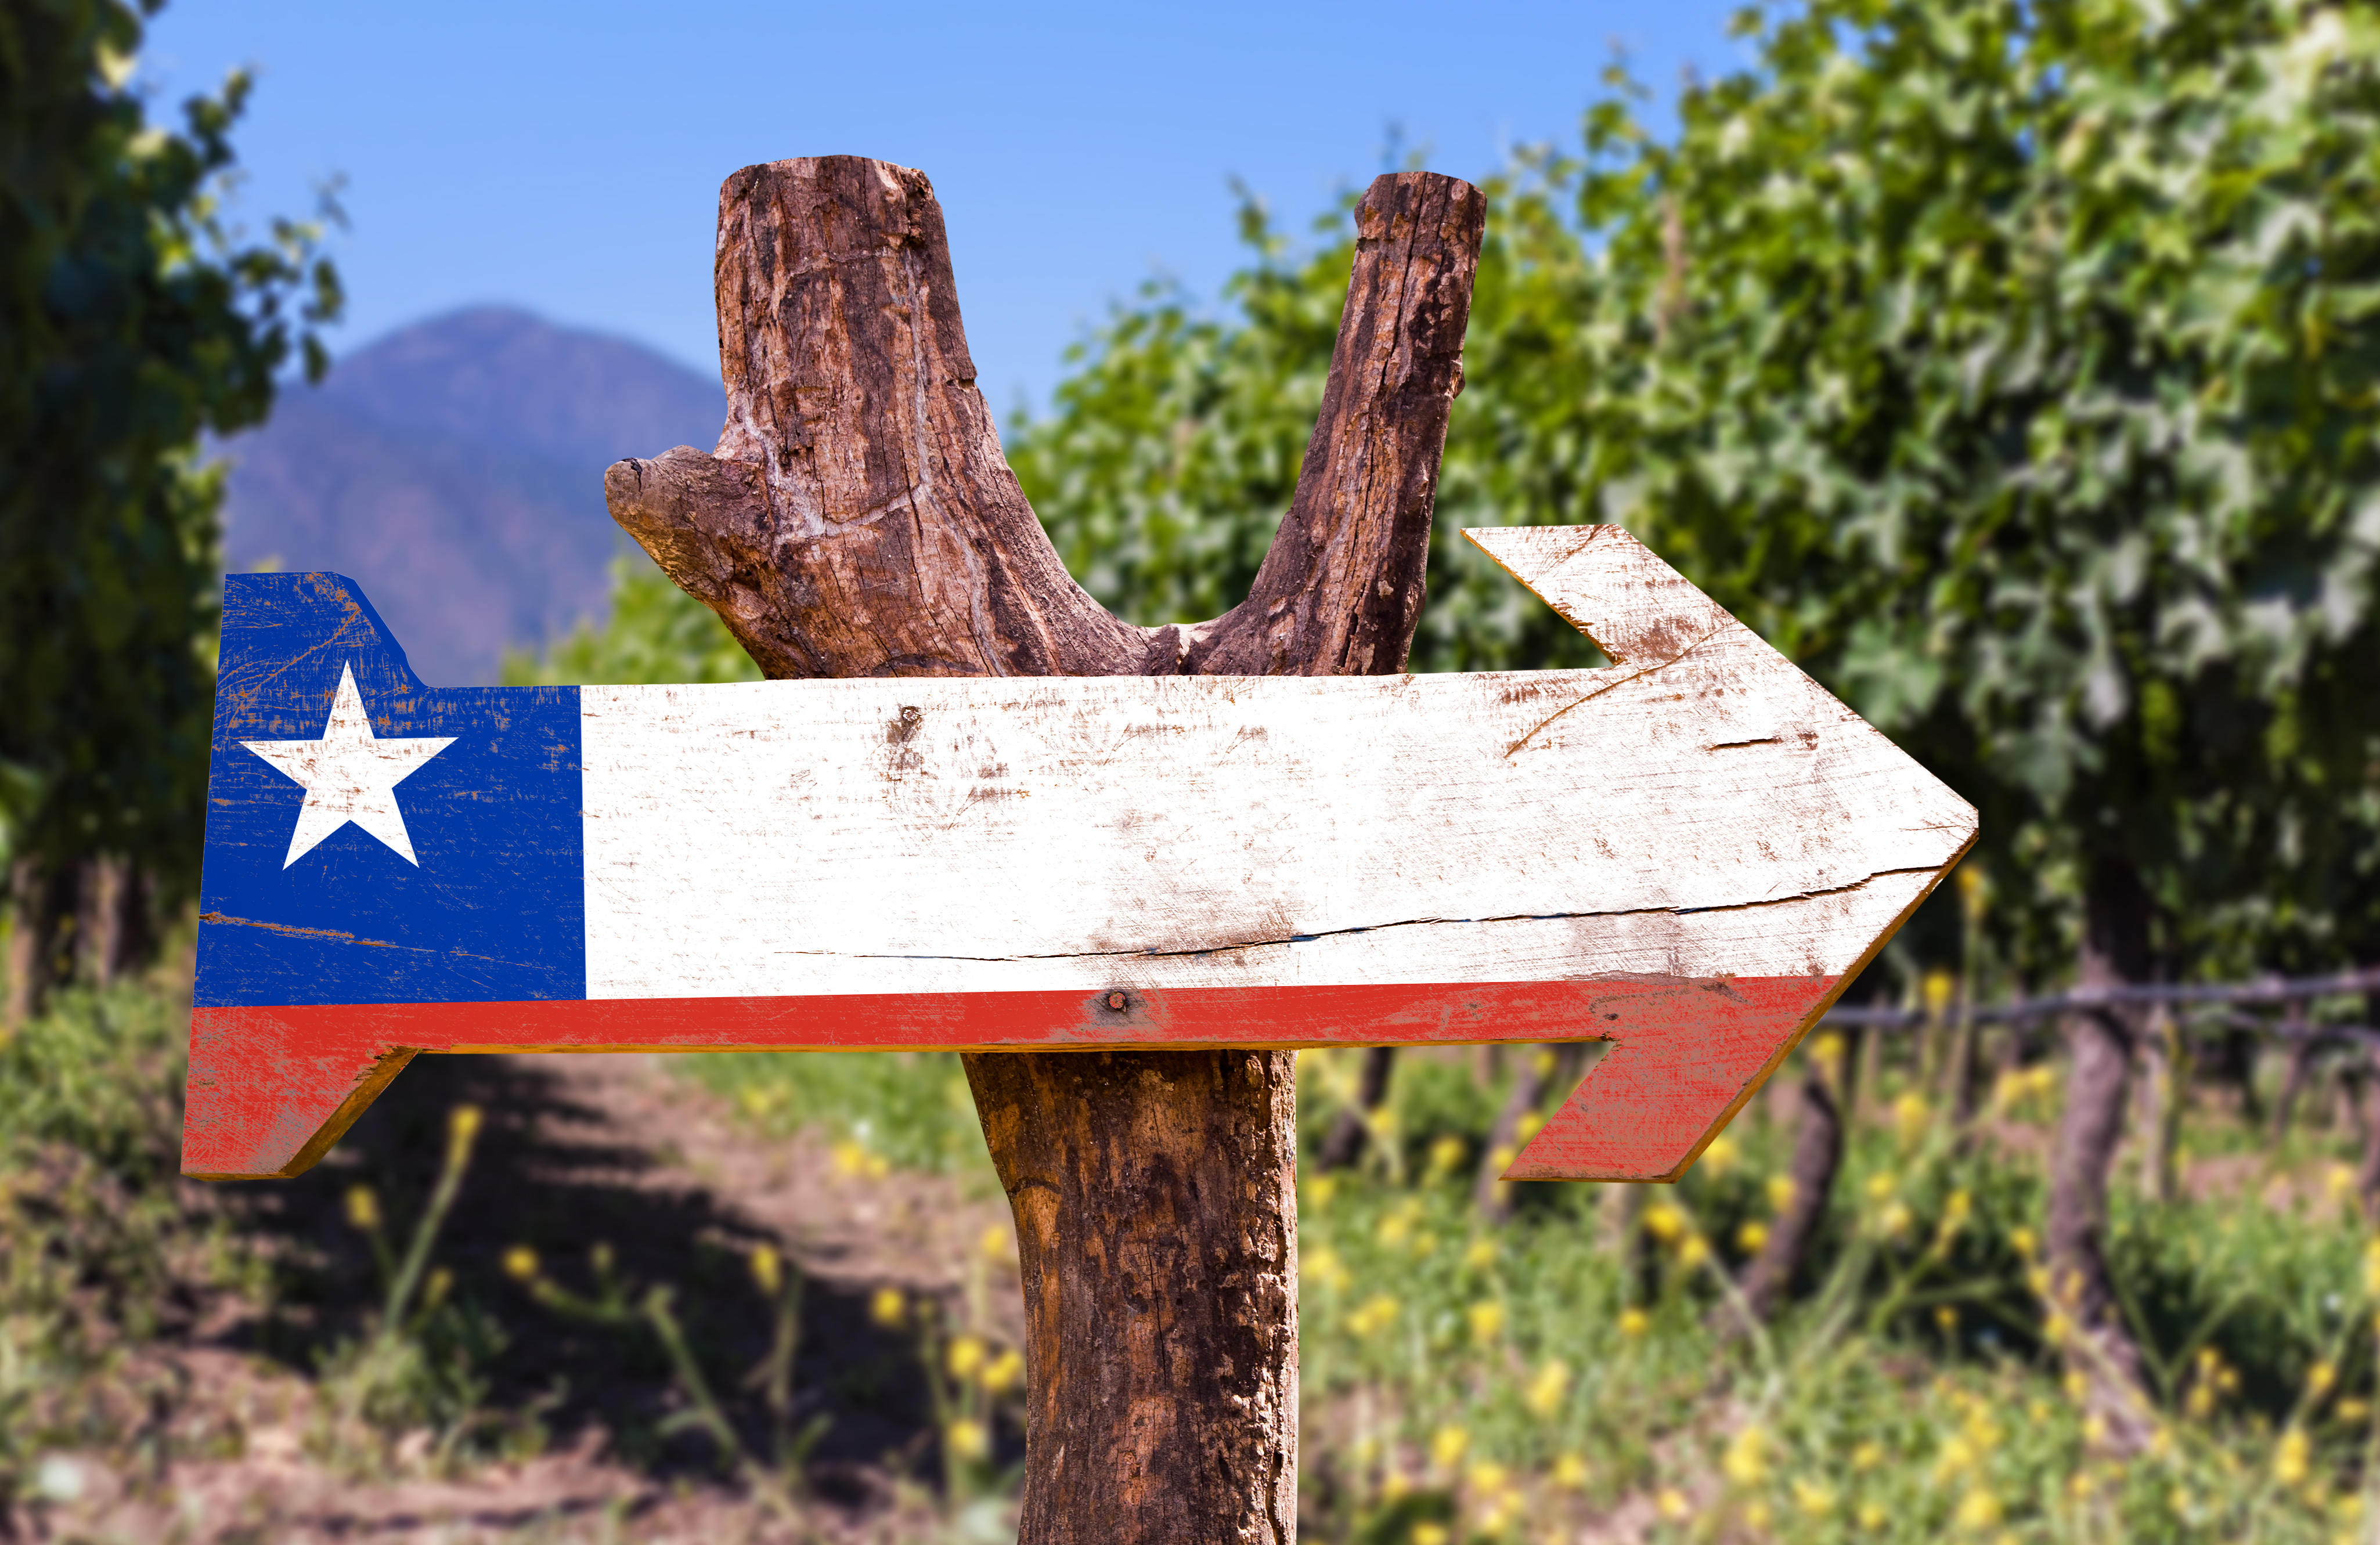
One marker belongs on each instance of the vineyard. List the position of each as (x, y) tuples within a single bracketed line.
[(773, 1298)]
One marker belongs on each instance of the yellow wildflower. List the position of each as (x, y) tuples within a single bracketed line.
[(1324, 1268), (1488, 1476), (1781, 1192), (1447, 1445), (1320, 1191), (968, 1439), (1910, 1118), (520, 1263), (1665, 1223), (1978, 1510), (1868, 1456), (2290, 1459), (888, 1307), (1487, 1318), (850, 1158), (1752, 1238), (463, 1125), (1446, 1154), (1720, 1156), (1546, 1391), (1671, 1505), (2319, 1378), (1481, 1254), (1872, 1516), (363, 1209), (1569, 1473), (1815, 1500), (994, 1243), (1746, 1460), (1500, 1158), (1427, 1533), (1936, 989), (1756, 1516), (2339, 1179), (1895, 1219), (1394, 1230), (1005, 1372), (1693, 1252), (1945, 1320), (1633, 1321), (2021, 1241), (965, 1357), (2352, 1410), (1881, 1184), (1378, 1313), (2372, 1267), (767, 1269)]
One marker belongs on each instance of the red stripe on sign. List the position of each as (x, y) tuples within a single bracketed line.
[(271, 1089)]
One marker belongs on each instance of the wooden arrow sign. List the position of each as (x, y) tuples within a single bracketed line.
[(1685, 854)]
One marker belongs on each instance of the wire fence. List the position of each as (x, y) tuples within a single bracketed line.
[(2283, 990)]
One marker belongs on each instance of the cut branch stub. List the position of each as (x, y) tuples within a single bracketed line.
[(858, 519)]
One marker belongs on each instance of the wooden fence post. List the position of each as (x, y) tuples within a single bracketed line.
[(858, 519)]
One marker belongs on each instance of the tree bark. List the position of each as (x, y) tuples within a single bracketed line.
[(46, 899), (1826, 1093), (2094, 1338), (858, 519), (2163, 1096), (2303, 1050), (1492, 1196), (1344, 1144)]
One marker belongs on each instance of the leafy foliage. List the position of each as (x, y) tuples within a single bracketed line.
[(131, 321), (2011, 367), (656, 634)]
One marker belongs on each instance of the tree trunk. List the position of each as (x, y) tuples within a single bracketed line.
[(114, 925), (1345, 1143), (1157, 1216), (2303, 1049), (46, 899), (2165, 1093), (1495, 1196), (858, 519), (2094, 1340)]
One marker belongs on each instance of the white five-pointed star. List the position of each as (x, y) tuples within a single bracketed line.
[(350, 775)]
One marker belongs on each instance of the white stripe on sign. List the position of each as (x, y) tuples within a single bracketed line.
[(1717, 813)]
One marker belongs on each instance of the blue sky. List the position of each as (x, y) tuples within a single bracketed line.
[(567, 158)]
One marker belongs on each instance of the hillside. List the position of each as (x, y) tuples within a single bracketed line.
[(455, 468)]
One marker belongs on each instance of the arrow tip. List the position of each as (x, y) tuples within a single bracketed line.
[(1609, 586)]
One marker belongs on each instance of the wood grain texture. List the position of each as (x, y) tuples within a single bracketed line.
[(858, 519)]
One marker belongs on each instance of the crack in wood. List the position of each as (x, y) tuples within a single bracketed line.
[(1373, 928)]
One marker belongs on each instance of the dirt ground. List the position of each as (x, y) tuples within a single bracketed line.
[(577, 1153)]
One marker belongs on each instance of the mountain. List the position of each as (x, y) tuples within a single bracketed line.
[(454, 469)]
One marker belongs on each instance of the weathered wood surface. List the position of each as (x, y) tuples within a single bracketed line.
[(1684, 853), (858, 519)]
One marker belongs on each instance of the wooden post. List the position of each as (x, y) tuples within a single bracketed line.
[(858, 519)]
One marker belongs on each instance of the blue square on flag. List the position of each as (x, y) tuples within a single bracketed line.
[(370, 840)]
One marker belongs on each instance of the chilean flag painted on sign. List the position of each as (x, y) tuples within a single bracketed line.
[(1684, 855)]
